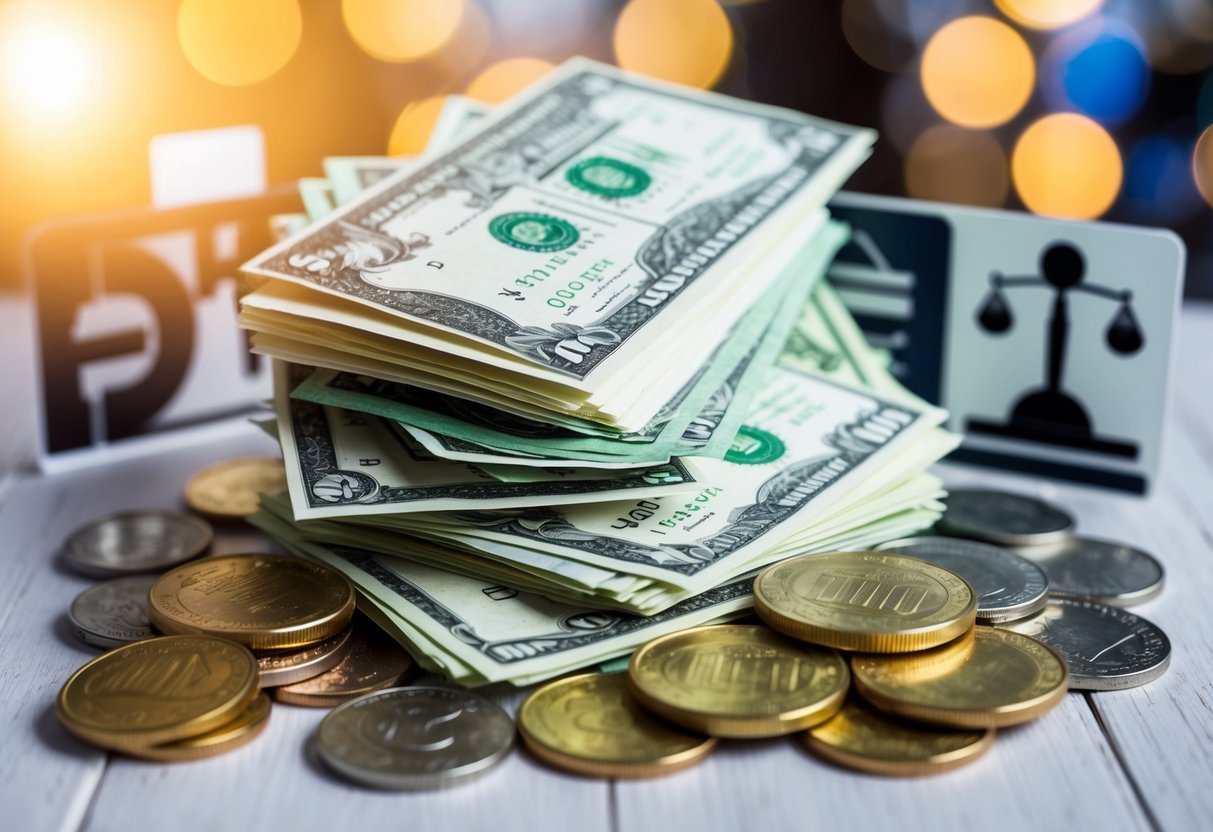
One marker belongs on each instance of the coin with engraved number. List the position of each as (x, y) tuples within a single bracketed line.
[(1107, 648), (875, 602), (1004, 518), (1089, 569), (232, 490), (1007, 586), (286, 667), (158, 691), (1008, 678), (265, 602), (136, 541), (414, 738), (373, 662), (738, 680), (590, 724), (863, 738), (242, 730), (113, 613)]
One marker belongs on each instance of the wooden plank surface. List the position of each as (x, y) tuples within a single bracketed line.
[(1131, 760)]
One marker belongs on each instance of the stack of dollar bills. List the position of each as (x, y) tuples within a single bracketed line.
[(569, 379)]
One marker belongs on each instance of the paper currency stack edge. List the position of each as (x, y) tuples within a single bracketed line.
[(566, 381)]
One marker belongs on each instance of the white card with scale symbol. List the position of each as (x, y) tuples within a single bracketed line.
[(1054, 341)]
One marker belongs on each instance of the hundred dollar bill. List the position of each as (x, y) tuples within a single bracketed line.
[(458, 118), (454, 428), (580, 223), (437, 541), (318, 200), (477, 631), (340, 463), (284, 225), (351, 175), (809, 448), (827, 340)]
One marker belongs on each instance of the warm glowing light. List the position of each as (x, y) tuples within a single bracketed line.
[(401, 30), (235, 42), (1047, 14), (505, 78), (686, 41), (413, 126), (952, 164), (977, 72), (45, 66), (1202, 164), (1066, 165)]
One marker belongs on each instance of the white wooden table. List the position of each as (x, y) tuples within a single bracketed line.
[(1138, 759)]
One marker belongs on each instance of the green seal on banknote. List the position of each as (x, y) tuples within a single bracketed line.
[(533, 232), (754, 446), (607, 177)]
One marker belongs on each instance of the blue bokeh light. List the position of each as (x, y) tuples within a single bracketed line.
[(1099, 69), (1158, 183)]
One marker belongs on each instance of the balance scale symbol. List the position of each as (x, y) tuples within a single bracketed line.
[(1050, 414)]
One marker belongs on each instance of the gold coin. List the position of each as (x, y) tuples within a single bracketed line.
[(286, 667), (862, 738), (738, 680), (873, 602), (232, 490), (227, 737), (590, 724), (374, 662), (265, 602), (1008, 678), (158, 691)]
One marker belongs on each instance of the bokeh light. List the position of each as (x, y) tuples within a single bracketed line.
[(505, 78), (977, 72), (1178, 34), (1202, 164), (954, 164), (235, 42), (1098, 68), (413, 126), (686, 41), (1047, 14), (871, 37), (1066, 165), (46, 66), (1159, 186), (401, 30)]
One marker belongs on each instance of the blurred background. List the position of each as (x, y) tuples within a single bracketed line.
[(1073, 108)]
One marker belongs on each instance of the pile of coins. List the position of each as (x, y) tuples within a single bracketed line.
[(901, 661), (873, 658), (1088, 582), (233, 626)]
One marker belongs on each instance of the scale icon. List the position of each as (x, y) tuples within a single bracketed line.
[(1049, 414)]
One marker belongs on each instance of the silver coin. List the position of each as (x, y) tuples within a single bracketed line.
[(113, 613), (136, 541), (1008, 586), (414, 738), (1089, 569), (1107, 648), (1004, 518), (286, 667)]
